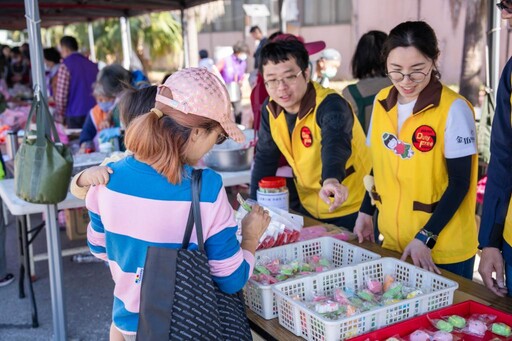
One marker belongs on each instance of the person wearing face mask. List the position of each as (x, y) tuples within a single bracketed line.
[(232, 70), (111, 81), (424, 155), (327, 67), (18, 71)]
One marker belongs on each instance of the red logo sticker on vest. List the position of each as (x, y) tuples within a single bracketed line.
[(424, 138), (306, 136)]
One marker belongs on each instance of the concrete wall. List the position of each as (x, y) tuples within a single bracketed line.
[(381, 15)]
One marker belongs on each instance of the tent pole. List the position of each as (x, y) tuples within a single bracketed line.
[(493, 39), (52, 230), (184, 37), (92, 49), (125, 42)]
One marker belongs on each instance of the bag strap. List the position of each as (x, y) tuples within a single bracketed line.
[(40, 109), (194, 214)]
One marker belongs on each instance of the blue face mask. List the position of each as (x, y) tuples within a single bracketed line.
[(107, 106)]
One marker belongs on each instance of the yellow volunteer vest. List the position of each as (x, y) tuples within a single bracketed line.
[(507, 231), (411, 176), (303, 153)]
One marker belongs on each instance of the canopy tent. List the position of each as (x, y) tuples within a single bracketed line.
[(61, 12)]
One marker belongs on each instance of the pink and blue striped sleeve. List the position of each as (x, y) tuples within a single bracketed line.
[(95, 229)]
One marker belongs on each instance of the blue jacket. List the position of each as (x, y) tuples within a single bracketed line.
[(499, 176)]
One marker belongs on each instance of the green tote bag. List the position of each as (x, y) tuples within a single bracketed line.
[(43, 165)]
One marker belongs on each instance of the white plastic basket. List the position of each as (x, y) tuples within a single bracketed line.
[(261, 299), (294, 316)]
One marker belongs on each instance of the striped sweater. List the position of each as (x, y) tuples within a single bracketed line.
[(140, 208)]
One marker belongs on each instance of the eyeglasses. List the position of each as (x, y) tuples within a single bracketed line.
[(505, 5), (416, 76), (221, 138), (289, 80)]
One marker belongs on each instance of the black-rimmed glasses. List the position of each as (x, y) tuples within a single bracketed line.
[(221, 138), (289, 80), (416, 76)]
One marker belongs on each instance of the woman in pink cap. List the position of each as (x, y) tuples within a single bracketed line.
[(148, 197)]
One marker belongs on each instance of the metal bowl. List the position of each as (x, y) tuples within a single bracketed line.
[(231, 156), (229, 160)]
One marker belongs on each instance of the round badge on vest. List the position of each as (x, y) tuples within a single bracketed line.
[(424, 138), (306, 137)]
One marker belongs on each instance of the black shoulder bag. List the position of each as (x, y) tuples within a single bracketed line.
[(179, 300)]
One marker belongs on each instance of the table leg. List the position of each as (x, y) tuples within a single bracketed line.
[(55, 266), (25, 269)]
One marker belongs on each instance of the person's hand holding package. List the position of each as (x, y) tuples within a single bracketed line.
[(254, 225), (332, 188)]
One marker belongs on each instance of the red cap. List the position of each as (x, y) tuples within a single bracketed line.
[(312, 47), (272, 182)]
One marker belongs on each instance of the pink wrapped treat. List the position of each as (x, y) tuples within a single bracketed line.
[(419, 335), (341, 297), (442, 336), (374, 286), (476, 327)]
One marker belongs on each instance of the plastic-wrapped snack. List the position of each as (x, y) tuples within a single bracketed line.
[(478, 324), (326, 306), (341, 296), (457, 321), (444, 326), (388, 280), (475, 327), (366, 295), (394, 291), (442, 336), (374, 285), (419, 335), (501, 329)]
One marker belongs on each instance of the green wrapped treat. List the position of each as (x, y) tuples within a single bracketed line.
[(395, 291), (457, 321), (261, 269), (501, 329), (444, 326)]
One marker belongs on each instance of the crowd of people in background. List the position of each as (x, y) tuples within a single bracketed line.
[(383, 158)]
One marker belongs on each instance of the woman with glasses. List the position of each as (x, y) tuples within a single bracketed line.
[(495, 235), (315, 130), (424, 154)]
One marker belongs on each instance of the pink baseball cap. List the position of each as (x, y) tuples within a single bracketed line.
[(198, 91), (312, 47)]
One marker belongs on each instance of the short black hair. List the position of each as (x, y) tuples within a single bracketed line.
[(69, 42), (254, 29), (52, 54), (203, 54), (282, 50), (367, 60)]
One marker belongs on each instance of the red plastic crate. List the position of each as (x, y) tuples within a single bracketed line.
[(464, 309)]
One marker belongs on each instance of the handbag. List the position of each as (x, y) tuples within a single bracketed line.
[(43, 165), (179, 300)]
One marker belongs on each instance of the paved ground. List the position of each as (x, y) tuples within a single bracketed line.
[(87, 290)]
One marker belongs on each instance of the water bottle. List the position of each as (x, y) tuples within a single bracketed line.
[(85, 258)]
